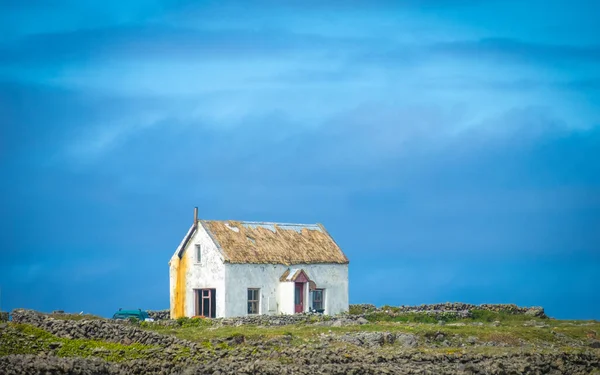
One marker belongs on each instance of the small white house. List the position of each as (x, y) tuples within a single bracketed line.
[(233, 268)]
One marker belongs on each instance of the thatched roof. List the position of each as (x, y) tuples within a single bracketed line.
[(274, 243)]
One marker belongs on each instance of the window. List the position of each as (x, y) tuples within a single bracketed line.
[(206, 302), (198, 253), (317, 300), (253, 299)]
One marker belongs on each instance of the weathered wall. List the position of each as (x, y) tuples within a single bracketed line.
[(239, 277), (177, 275), (209, 273)]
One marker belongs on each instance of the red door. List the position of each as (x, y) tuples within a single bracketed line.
[(299, 298)]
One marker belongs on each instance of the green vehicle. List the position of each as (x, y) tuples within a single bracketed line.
[(138, 314)]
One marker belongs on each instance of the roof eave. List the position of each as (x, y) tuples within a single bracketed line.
[(188, 236)]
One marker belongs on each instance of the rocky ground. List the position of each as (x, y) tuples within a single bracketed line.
[(388, 340)]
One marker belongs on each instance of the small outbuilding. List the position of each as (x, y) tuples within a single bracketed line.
[(239, 268)]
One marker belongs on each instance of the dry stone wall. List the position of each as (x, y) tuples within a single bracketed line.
[(159, 314), (456, 307), (97, 329)]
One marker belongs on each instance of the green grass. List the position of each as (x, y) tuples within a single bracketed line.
[(75, 317), (31, 340), (109, 351), (510, 331), (502, 316), (407, 317), (28, 339)]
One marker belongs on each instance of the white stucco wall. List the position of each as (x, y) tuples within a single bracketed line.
[(286, 304), (239, 277)]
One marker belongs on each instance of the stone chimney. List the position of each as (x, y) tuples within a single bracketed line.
[(195, 216)]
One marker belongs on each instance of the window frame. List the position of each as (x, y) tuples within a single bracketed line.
[(255, 302), (198, 254), (321, 301), (205, 296)]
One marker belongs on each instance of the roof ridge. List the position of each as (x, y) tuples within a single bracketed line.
[(266, 222)]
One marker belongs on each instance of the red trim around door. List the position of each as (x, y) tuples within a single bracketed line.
[(298, 297)]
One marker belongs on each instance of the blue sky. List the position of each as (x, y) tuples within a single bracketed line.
[(452, 148)]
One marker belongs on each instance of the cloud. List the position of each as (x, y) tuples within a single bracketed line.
[(364, 141), (52, 120), (168, 43), (499, 49), (491, 50), (472, 83), (171, 43), (334, 5), (19, 19)]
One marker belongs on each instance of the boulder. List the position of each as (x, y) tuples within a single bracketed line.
[(537, 312), (407, 340)]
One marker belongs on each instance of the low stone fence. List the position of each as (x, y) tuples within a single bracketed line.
[(96, 329), (457, 307), (309, 319), (359, 314), (273, 320), (122, 331), (159, 314)]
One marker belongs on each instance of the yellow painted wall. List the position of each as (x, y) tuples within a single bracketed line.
[(179, 292)]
